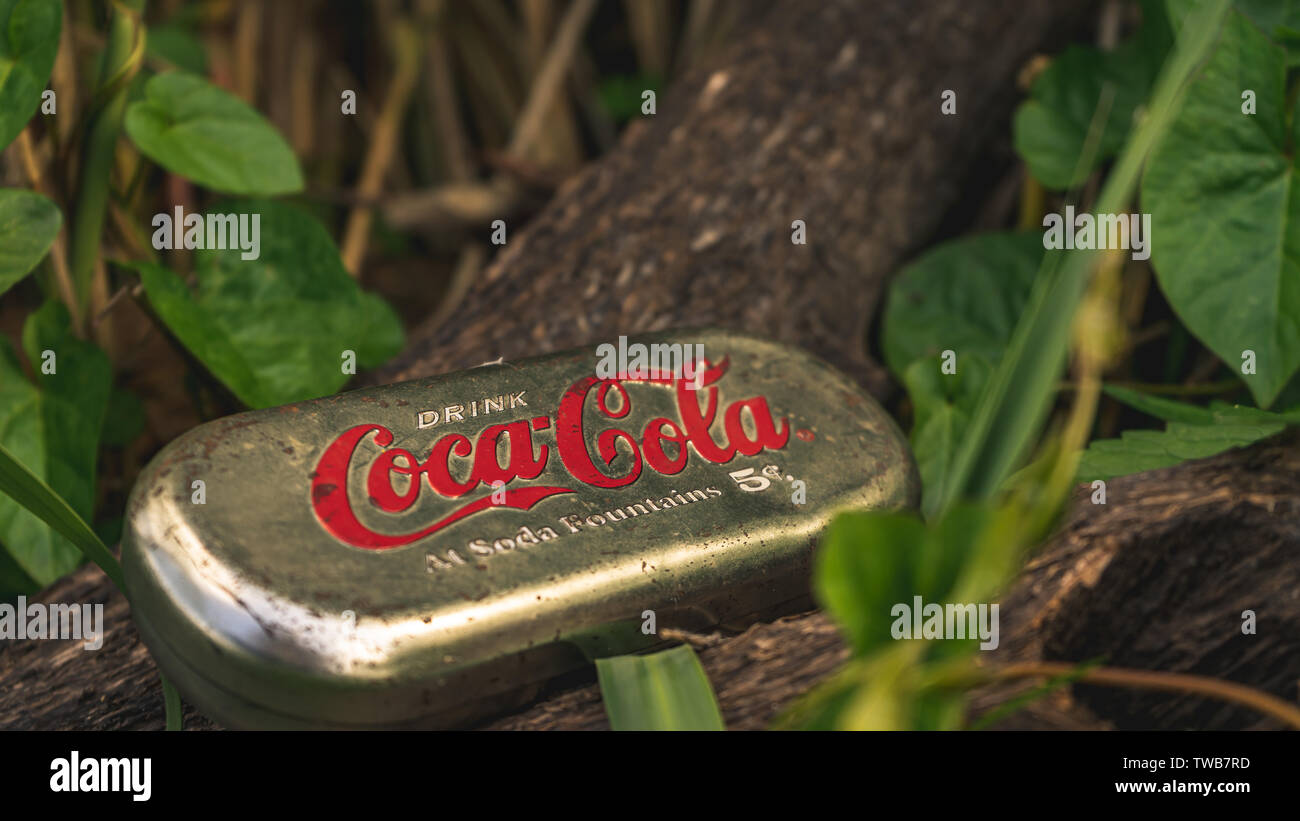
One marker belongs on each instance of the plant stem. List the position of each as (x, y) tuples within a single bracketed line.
[(383, 142), (1201, 389), (172, 705), (121, 58), (58, 257), (1150, 680)]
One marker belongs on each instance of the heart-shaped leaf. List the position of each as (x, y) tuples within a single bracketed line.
[(29, 39), (1225, 211), (28, 225), (1051, 127), (192, 128), (275, 329)]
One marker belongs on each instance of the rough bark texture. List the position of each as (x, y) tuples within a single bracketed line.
[(826, 113)]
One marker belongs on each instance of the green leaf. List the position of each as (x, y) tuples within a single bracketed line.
[(177, 45), (1279, 19), (125, 419), (1052, 126), (869, 562), (28, 225), (52, 429), (942, 406), (667, 690), (1139, 450), (1224, 207), (29, 39), (196, 130), (965, 295), (1170, 410), (1194, 432), (274, 330)]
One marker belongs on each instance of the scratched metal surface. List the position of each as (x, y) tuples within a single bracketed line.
[(259, 607)]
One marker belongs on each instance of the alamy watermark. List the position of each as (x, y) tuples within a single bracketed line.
[(656, 360), (77, 774), (945, 621), (53, 621), (242, 232), (1101, 232)]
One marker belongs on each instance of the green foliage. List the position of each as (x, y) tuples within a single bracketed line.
[(1218, 412), (1279, 19), (942, 406), (177, 45), (28, 225), (1220, 191), (1011, 409), (869, 562), (29, 39), (1193, 432), (1051, 127), (871, 566), (620, 94), (965, 295), (274, 329), (889, 690), (1001, 315), (124, 420), (667, 690), (19, 486), (1139, 450), (25, 490), (194, 129), (52, 428)]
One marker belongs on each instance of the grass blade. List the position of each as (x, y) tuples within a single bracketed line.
[(27, 489), (172, 705), (667, 690)]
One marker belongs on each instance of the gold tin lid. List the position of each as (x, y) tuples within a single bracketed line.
[(425, 553)]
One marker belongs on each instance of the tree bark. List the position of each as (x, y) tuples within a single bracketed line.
[(827, 113)]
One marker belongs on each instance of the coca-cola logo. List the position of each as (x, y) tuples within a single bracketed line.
[(527, 458)]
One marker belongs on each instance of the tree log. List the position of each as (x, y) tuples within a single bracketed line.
[(827, 113), (1155, 579)]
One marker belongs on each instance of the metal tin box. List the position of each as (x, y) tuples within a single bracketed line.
[(425, 553)]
